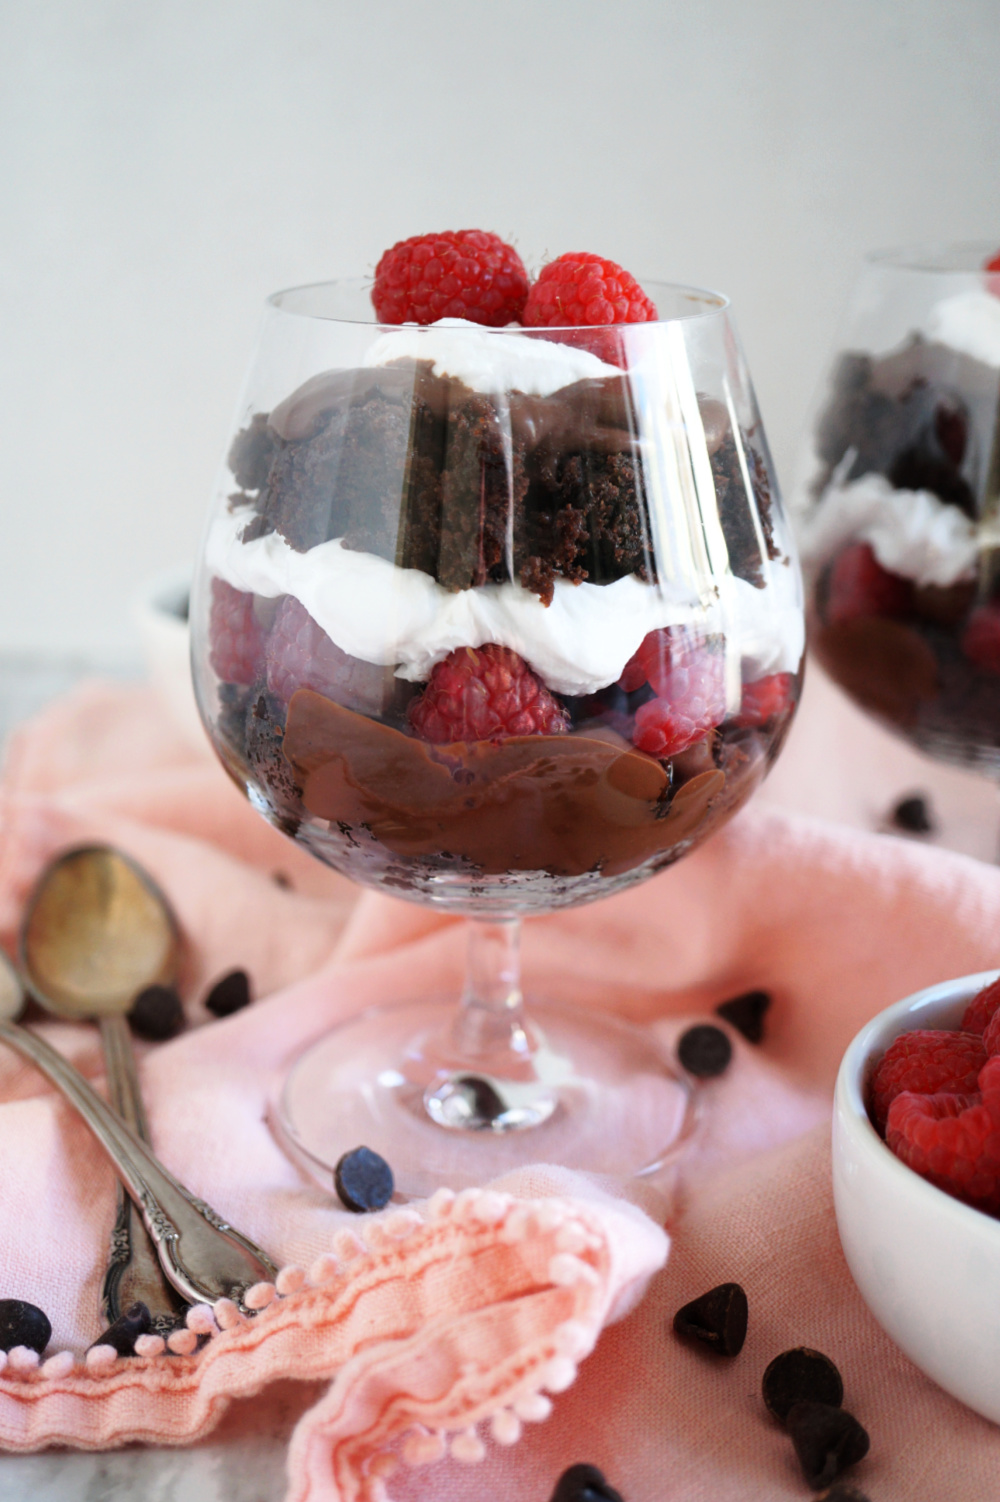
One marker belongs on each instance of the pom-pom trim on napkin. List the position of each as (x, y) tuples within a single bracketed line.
[(509, 1294)]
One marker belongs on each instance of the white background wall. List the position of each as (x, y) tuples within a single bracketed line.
[(164, 166)]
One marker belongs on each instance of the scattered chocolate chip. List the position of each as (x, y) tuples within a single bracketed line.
[(704, 1051), (282, 880), (913, 814), (484, 1102), (584, 1483), (363, 1180), (228, 995), (718, 1319), (157, 1014), (827, 1440), (126, 1329), (746, 1013), (801, 1376), (23, 1324)]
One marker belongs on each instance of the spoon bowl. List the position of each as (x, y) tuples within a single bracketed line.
[(97, 931)]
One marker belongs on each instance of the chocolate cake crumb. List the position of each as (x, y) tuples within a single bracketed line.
[(913, 815), (268, 763)]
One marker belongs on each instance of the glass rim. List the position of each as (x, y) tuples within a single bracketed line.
[(706, 303), (940, 257)]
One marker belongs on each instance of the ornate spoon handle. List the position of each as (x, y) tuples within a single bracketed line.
[(202, 1256), (133, 1270)]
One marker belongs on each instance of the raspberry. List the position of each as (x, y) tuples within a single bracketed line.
[(926, 1061), (301, 655), (981, 1008), (484, 694), (952, 1140), (981, 637), (860, 586), (235, 640), (766, 698), (464, 273), (582, 291), (991, 1037), (689, 683)]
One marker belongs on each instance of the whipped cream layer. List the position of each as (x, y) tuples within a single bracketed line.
[(911, 532), (488, 360), (578, 644), (968, 322)]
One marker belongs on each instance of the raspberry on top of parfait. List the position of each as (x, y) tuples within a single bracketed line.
[(466, 273)]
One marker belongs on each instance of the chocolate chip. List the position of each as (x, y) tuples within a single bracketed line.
[(23, 1324), (484, 1102), (798, 1376), (126, 1329), (228, 995), (746, 1013), (718, 1319), (584, 1483), (827, 1440), (705, 1051), (157, 1014), (282, 880), (913, 814), (363, 1180)]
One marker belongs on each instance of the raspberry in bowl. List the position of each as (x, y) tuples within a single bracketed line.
[(498, 615), (923, 1241)]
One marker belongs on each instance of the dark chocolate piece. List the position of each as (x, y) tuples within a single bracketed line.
[(228, 995), (718, 1319), (913, 814), (126, 1329), (157, 1014), (827, 1440), (363, 1180), (746, 1013), (801, 1375), (705, 1051), (23, 1324), (584, 1483)]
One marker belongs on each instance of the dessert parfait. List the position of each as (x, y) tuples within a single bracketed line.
[(498, 607), (900, 520)]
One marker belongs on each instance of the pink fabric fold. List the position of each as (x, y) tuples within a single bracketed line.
[(465, 1347)]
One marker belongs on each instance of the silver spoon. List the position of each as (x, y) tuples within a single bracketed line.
[(95, 933), (201, 1255)]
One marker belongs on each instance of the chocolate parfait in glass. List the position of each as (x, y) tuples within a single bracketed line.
[(898, 511), (500, 621)]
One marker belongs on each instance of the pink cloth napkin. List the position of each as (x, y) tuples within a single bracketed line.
[(467, 1347)]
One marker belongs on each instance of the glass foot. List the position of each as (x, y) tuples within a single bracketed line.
[(588, 1092)]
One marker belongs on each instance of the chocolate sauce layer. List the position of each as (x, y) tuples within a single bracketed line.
[(563, 804)]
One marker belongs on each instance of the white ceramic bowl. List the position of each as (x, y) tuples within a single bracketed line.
[(927, 1266)]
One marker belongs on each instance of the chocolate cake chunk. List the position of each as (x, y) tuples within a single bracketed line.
[(472, 488), (251, 453), (735, 513), (922, 416)]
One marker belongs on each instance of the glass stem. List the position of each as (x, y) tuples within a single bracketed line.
[(490, 1026)]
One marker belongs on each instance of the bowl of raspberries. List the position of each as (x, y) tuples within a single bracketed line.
[(916, 1180)]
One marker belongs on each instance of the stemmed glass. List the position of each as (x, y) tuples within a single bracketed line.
[(898, 506), (498, 621)]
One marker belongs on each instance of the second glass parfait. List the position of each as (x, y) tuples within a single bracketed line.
[(498, 621)]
